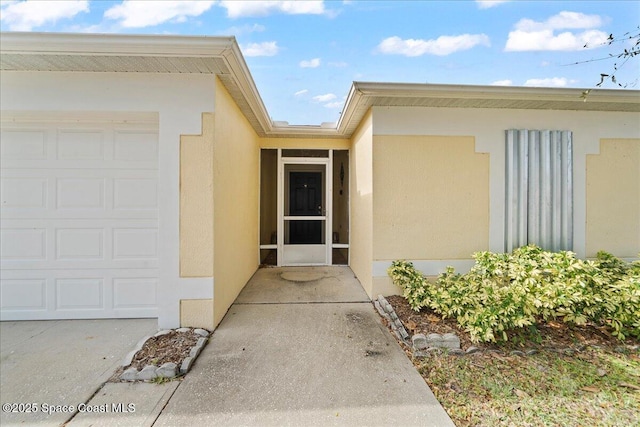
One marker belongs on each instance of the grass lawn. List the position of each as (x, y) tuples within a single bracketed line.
[(594, 387), (595, 383)]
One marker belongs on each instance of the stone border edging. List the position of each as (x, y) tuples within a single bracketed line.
[(168, 370), (387, 312), (424, 345)]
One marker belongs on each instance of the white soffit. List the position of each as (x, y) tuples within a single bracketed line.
[(138, 54), (365, 95), (221, 56)]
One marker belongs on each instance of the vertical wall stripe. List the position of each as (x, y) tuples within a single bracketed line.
[(539, 189)]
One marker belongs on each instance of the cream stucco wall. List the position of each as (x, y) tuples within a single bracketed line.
[(196, 313), (431, 197), (361, 195), (196, 202), (487, 127), (613, 198), (236, 166)]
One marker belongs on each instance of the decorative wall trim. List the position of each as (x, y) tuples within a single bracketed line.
[(427, 267)]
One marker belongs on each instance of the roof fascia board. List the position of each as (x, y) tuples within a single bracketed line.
[(306, 132), (113, 44), (240, 72), (411, 90), (350, 104)]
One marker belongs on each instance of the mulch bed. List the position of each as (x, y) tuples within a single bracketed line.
[(551, 334), (172, 347)]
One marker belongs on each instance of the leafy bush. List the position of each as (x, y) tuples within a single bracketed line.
[(504, 292)]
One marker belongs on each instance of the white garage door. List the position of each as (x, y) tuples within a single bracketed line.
[(79, 219)]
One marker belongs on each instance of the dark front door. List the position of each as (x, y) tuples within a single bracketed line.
[(305, 199)]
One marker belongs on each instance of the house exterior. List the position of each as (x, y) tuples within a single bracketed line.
[(142, 177)]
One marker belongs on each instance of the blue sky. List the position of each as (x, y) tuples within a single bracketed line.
[(304, 55)]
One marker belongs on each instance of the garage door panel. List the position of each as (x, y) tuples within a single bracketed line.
[(78, 294), (53, 193), (25, 193), (78, 144), (23, 294), (23, 244), (79, 220), (135, 193), (135, 243), (79, 243), (135, 146), (131, 292), (80, 193), (23, 144)]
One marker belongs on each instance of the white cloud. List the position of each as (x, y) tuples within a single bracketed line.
[(140, 14), (313, 63), (562, 21), (238, 9), (522, 41), (530, 35), (301, 92), (443, 45), (25, 15), (335, 104), (244, 29), (325, 98), (260, 49), (506, 82), (549, 82), (486, 4)]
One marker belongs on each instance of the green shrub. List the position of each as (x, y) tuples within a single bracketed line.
[(504, 292)]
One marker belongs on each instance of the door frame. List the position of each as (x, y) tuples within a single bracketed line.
[(328, 206)]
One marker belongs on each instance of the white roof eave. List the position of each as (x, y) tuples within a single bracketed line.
[(362, 95)]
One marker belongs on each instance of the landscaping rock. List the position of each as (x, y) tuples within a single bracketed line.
[(472, 350), (186, 365), (433, 339), (387, 307), (201, 332), (419, 341), (148, 373), (130, 374), (451, 341), (195, 351), (404, 335), (129, 357), (167, 370), (380, 309)]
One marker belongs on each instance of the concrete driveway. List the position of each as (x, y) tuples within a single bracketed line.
[(299, 347), (48, 365)]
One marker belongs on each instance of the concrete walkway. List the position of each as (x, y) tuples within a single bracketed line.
[(303, 347), (300, 346)]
